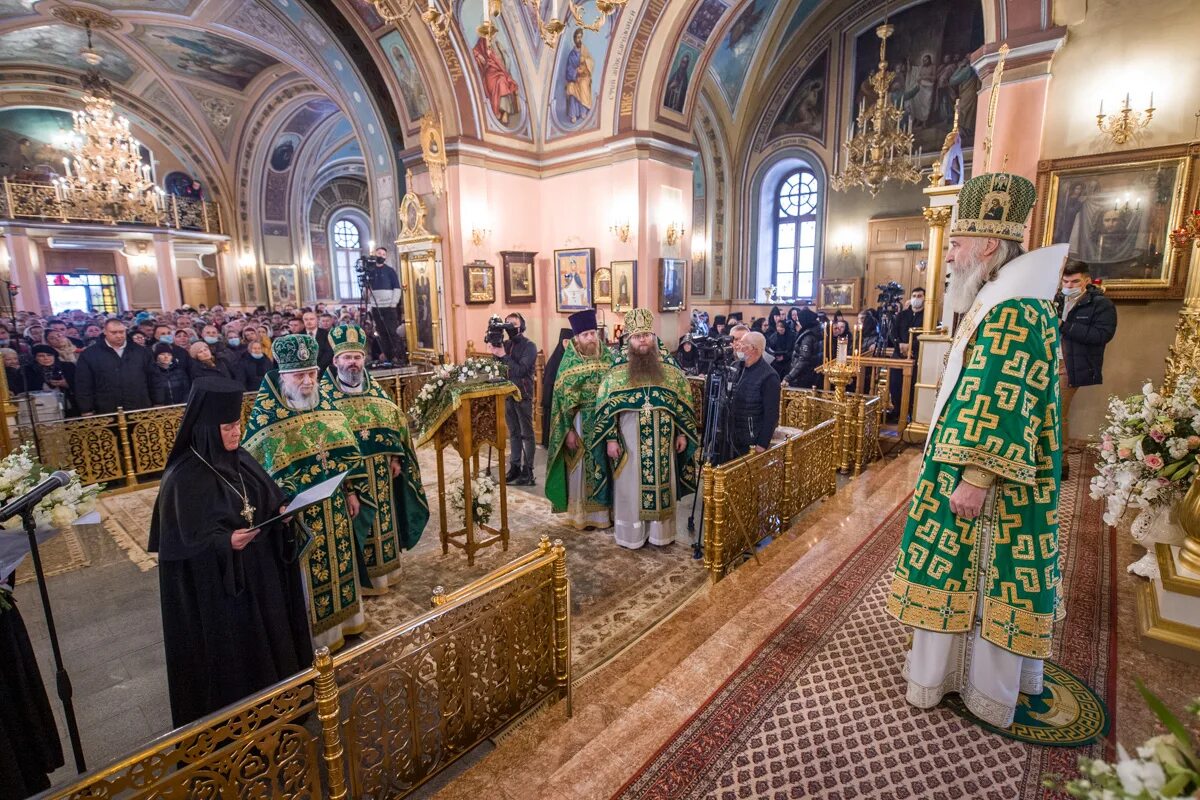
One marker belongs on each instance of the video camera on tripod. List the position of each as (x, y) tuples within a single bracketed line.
[(497, 327), (890, 300), (712, 350), (363, 267)]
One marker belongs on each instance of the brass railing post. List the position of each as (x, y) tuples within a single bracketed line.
[(860, 428), (706, 514), (126, 449), (6, 442), (791, 486), (562, 623), (717, 532), (175, 211), (204, 214), (328, 712)]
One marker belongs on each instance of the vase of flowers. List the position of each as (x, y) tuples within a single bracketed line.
[(1147, 461), (483, 492), (438, 392), (1164, 766)]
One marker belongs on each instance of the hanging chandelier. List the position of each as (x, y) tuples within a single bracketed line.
[(551, 30), (878, 146), (104, 177)]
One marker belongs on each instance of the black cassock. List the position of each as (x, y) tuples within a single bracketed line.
[(29, 744), (234, 622)]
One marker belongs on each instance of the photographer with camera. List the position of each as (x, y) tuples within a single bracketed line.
[(382, 285), (519, 355)]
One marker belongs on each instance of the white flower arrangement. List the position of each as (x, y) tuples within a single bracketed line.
[(1166, 766), (483, 492), (20, 472), (435, 394), (1148, 451)]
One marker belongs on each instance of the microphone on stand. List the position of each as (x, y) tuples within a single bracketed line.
[(27, 501)]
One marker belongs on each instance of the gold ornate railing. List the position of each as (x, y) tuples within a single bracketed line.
[(391, 712), (41, 201), (758, 495), (130, 448), (859, 419)]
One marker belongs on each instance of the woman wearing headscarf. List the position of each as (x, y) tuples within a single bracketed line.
[(12, 370), (233, 610), (49, 372)]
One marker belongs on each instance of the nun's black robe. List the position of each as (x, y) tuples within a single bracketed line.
[(234, 622)]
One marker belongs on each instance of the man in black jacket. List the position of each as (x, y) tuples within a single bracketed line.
[(806, 355), (520, 356), (1089, 322), (754, 408), (112, 374)]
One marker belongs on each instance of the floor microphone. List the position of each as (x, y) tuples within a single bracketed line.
[(35, 495)]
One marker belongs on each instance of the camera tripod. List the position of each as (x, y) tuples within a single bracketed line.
[(368, 309)]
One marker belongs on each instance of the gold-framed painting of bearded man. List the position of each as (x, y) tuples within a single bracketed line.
[(624, 286), (1117, 211)]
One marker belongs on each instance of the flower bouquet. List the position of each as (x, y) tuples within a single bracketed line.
[(20, 472), (483, 490), (1166, 766), (1148, 451), (438, 392)]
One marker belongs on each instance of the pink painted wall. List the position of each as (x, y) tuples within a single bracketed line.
[(570, 211), (1019, 118)]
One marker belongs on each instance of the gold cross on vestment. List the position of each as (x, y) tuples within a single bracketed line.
[(322, 456), (248, 511)]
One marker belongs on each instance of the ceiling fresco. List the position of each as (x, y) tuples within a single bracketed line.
[(58, 46), (204, 56)]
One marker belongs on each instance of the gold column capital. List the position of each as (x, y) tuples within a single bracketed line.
[(937, 216)]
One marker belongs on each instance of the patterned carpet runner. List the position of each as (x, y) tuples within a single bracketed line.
[(819, 711)]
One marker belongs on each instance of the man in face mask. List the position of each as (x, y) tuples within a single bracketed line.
[(912, 318), (1088, 324), (755, 404)]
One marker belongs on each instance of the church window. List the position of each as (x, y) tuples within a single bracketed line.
[(347, 249), (795, 224)]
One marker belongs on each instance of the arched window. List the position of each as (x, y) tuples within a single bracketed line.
[(348, 244), (795, 222)]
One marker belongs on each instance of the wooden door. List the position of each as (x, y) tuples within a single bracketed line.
[(888, 256), (199, 290)]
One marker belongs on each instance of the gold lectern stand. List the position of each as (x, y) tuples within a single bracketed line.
[(478, 420)]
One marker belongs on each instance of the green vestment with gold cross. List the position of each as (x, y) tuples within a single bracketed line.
[(392, 511), (664, 411), (575, 389), (299, 449), (1002, 416)]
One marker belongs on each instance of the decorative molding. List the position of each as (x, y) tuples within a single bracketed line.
[(255, 20)]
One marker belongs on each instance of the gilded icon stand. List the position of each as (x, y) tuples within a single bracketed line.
[(477, 421)]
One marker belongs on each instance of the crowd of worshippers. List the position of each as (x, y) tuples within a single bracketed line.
[(796, 337), (98, 363)]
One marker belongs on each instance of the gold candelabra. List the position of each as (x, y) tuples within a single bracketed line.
[(621, 230), (878, 147), (674, 234), (1126, 124), (842, 363)]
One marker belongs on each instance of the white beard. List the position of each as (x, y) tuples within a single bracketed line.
[(965, 285), (298, 401)]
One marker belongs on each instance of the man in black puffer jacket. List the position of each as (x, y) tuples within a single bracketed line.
[(112, 374), (806, 354), (1089, 322)]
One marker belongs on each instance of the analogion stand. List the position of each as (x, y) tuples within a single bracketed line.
[(477, 420)]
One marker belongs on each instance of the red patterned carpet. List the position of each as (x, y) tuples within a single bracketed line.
[(818, 710)]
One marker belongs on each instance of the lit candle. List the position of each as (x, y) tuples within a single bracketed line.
[(67, 165), (1127, 99), (841, 351), (486, 3), (857, 338), (1101, 114), (1152, 99)]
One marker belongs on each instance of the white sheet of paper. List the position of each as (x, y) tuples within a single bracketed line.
[(317, 493)]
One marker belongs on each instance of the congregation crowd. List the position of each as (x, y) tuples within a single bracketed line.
[(98, 363)]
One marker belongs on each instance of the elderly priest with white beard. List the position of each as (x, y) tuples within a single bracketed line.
[(978, 573), (300, 437)]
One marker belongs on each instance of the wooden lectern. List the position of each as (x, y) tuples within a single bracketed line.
[(477, 420)]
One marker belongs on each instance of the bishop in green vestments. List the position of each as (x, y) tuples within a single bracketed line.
[(392, 506), (978, 574), (574, 465), (298, 435), (647, 424)]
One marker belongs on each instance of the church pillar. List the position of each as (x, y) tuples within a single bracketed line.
[(168, 280), (23, 267)]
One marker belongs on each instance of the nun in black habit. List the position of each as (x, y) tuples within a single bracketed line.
[(549, 375), (233, 611)]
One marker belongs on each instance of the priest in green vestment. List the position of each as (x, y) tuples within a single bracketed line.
[(392, 506), (574, 466), (298, 435), (978, 573), (647, 424)]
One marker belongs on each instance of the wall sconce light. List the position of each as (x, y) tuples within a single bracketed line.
[(478, 235), (845, 250), (674, 233), (247, 262), (1126, 124), (621, 230)]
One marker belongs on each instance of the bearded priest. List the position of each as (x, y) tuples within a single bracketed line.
[(574, 469), (300, 438), (978, 573), (392, 506), (647, 424)]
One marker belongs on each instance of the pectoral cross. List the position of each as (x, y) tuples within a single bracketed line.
[(323, 457), (248, 511)]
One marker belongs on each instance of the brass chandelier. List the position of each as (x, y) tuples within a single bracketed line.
[(105, 177), (878, 146)]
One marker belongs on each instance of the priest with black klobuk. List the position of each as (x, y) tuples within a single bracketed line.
[(233, 610)]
